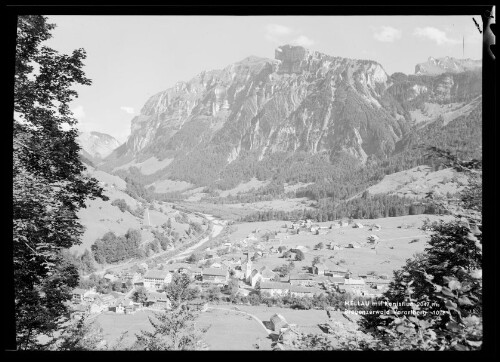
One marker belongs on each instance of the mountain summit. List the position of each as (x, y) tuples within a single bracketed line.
[(446, 65), (225, 122), (97, 144)]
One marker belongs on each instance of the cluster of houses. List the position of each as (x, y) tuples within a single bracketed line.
[(217, 271), (89, 301), (323, 277)]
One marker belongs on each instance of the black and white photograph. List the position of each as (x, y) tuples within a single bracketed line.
[(248, 182)]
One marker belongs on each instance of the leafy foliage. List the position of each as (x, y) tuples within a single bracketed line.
[(174, 329), (112, 249), (49, 184)]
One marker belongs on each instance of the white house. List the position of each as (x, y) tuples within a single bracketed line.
[(254, 277), (155, 279)]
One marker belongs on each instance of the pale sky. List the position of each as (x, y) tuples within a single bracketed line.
[(130, 58)]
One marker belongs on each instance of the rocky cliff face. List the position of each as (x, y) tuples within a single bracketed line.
[(446, 65), (300, 101), (96, 144)]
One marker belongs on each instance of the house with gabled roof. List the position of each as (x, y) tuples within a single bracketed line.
[(215, 275), (78, 294), (274, 288), (156, 279), (157, 301), (319, 269), (277, 322), (254, 277), (300, 279), (337, 280)]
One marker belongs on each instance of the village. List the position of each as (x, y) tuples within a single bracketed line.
[(301, 260)]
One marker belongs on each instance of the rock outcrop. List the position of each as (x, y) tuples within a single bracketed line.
[(300, 101), (436, 66)]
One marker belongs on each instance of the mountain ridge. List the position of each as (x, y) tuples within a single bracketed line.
[(301, 101)]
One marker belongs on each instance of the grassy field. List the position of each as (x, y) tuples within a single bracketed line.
[(232, 331), (114, 325), (390, 254), (306, 320), (227, 330), (417, 182)]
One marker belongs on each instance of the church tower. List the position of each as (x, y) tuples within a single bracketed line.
[(248, 270)]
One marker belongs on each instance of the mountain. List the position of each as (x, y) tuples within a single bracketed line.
[(97, 145), (446, 65), (300, 117)]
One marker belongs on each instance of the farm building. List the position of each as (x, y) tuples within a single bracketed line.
[(277, 322), (274, 288), (157, 300), (319, 269), (343, 224), (358, 225), (337, 271), (300, 279), (107, 300), (353, 280), (337, 280), (215, 275), (195, 271), (353, 245), (156, 279)]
